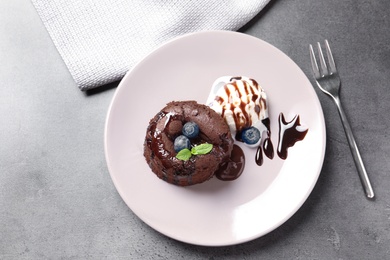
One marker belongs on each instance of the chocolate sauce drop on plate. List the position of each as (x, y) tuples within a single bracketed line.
[(233, 168), (289, 134), (259, 156), (268, 148), (267, 145)]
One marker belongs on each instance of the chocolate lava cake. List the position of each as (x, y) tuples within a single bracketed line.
[(166, 125)]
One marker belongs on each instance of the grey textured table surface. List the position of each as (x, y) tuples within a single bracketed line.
[(56, 196)]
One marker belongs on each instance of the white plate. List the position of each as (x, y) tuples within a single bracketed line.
[(216, 212)]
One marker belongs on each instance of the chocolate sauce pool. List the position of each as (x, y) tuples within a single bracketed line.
[(233, 168)]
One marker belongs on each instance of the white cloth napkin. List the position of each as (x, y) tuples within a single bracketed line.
[(100, 40)]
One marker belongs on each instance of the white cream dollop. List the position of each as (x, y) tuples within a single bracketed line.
[(241, 101)]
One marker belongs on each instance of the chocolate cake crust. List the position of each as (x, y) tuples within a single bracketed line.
[(166, 125)]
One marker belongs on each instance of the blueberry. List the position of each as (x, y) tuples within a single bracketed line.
[(190, 129), (250, 135), (181, 142)]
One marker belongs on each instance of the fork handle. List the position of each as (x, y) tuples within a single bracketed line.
[(355, 151)]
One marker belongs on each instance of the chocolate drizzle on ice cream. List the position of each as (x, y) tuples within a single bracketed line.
[(241, 102)]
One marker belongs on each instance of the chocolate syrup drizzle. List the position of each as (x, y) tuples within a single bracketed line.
[(243, 119), (267, 145), (289, 134)]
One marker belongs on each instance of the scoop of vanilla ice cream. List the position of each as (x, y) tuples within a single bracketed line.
[(241, 101)]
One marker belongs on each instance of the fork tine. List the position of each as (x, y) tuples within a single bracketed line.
[(323, 67), (314, 64), (332, 64)]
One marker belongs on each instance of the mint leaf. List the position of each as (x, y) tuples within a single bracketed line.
[(202, 149), (184, 154)]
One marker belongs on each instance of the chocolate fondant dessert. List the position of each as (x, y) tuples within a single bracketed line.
[(167, 125)]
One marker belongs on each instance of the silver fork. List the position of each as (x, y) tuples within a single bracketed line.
[(328, 81)]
